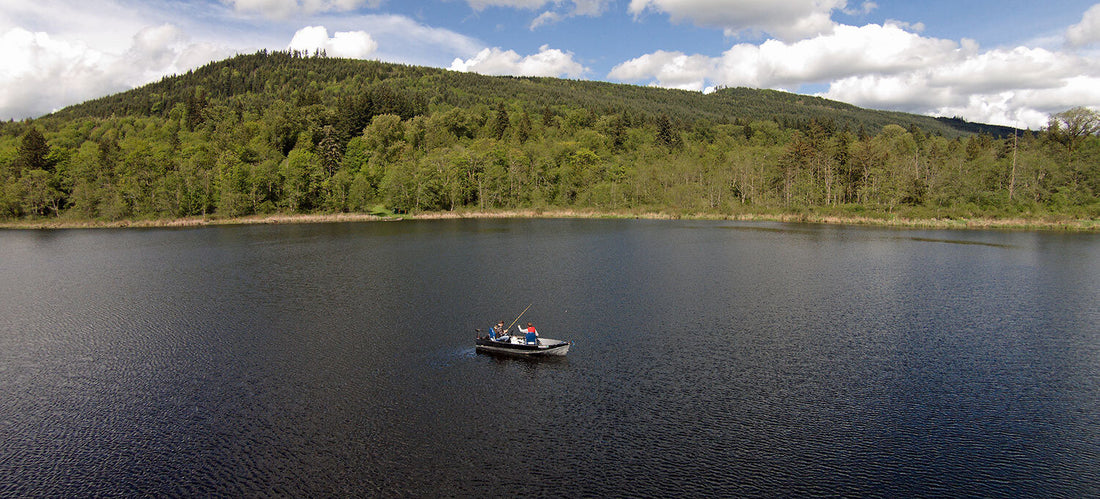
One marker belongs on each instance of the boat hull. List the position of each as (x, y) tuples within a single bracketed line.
[(545, 348)]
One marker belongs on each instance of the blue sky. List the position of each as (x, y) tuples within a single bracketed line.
[(1006, 62)]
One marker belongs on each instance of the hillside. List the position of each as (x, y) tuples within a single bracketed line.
[(283, 76), (283, 133)]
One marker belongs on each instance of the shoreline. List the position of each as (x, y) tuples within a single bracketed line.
[(187, 222), (1067, 225)]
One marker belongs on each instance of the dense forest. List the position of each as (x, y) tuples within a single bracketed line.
[(289, 132)]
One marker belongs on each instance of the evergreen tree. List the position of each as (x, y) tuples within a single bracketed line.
[(33, 152), (666, 137), (547, 117), (618, 132), (330, 150), (523, 128), (500, 122), (195, 104)]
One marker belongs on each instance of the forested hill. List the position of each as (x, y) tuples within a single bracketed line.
[(286, 133), (265, 77)]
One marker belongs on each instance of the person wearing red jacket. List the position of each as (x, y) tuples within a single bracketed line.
[(532, 336)]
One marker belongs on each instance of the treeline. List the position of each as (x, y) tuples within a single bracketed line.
[(264, 77), (292, 142)]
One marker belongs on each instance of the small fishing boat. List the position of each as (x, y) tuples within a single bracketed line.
[(500, 340), (516, 345)]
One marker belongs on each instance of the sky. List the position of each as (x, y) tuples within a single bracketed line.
[(1007, 62)]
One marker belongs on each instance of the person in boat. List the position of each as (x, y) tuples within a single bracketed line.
[(498, 331), (532, 336)]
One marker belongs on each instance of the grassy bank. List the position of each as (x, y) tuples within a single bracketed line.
[(885, 220), (817, 217), (61, 223)]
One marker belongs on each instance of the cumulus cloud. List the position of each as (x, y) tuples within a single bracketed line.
[(283, 9), (670, 69), (159, 50), (40, 69), (84, 22), (888, 66), (347, 44), (1005, 69), (1020, 86), (43, 73), (402, 39), (548, 62), (1088, 30), (847, 51), (785, 19)]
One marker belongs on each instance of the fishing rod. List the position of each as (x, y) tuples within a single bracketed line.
[(517, 318)]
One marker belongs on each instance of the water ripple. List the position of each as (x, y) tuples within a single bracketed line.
[(770, 360)]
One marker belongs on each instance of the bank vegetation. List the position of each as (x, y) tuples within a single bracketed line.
[(265, 136)]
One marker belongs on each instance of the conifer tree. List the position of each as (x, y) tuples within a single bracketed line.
[(330, 150), (665, 135), (500, 122), (33, 152), (523, 128)]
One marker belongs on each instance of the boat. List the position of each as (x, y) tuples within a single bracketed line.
[(516, 345)]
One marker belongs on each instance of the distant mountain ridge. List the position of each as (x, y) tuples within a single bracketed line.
[(293, 77)]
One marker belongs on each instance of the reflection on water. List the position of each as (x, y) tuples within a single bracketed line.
[(956, 241), (710, 358)]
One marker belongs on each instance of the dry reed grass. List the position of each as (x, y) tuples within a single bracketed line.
[(934, 223)]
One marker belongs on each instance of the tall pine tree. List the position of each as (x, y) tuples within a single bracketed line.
[(500, 122), (33, 152)]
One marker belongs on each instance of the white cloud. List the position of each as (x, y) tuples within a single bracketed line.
[(907, 26), (671, 69), (40, 70), (1088, 30), (886, 66), (903, 92), (590, 7), (401, 39), (348, 44), (786, 19), (81, 22), (1002, 70), (1071, 92), (548, 62), (284, 9), (547, 17), (60, 52), (43, 73), (864, 9), (1010, 87), (847, 51)]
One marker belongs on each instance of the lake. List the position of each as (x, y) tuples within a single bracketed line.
[(710, 358)]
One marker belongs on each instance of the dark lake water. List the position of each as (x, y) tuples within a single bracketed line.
[(711, 359)]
